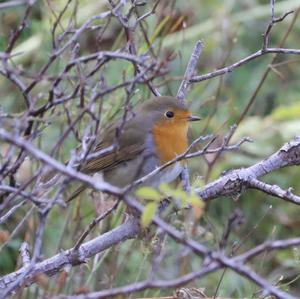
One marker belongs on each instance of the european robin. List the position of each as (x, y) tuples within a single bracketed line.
[(155, 134)]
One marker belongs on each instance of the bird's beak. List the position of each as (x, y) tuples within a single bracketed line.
[(194, 118)]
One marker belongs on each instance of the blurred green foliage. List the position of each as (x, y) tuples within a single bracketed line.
[(230, 31)]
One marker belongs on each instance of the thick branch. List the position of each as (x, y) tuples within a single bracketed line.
[(236, 181), (73, 257)]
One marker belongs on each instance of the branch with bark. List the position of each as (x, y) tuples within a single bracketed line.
[(235, 182)]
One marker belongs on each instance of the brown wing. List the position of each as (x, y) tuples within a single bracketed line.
[(112, 159), (130, 144)]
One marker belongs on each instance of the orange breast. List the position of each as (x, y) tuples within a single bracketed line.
[(170, 139)]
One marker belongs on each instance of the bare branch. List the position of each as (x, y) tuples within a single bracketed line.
[(94, 223), (12, 3), (268, 246), (274, 190), (25, 254), (54, 264), (190, 70), (230, 68), (71, 173), (272, 22), (236, 181), (139, 286)]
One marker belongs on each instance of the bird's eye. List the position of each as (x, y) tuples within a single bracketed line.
[(169, 114)]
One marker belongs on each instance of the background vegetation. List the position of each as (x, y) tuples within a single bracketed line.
[(230, 31)]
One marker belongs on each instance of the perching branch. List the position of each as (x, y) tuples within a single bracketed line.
[(236, 181), (231, 183), (72, 256)]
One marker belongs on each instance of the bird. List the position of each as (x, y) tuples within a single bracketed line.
[(156, 133)]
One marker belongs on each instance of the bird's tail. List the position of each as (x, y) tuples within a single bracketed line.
[(76, 193)]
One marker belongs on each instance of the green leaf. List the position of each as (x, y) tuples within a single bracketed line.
[(196, 202), (285, 112), (165, 188), (148, 193), (176, 193), (148, 213)]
